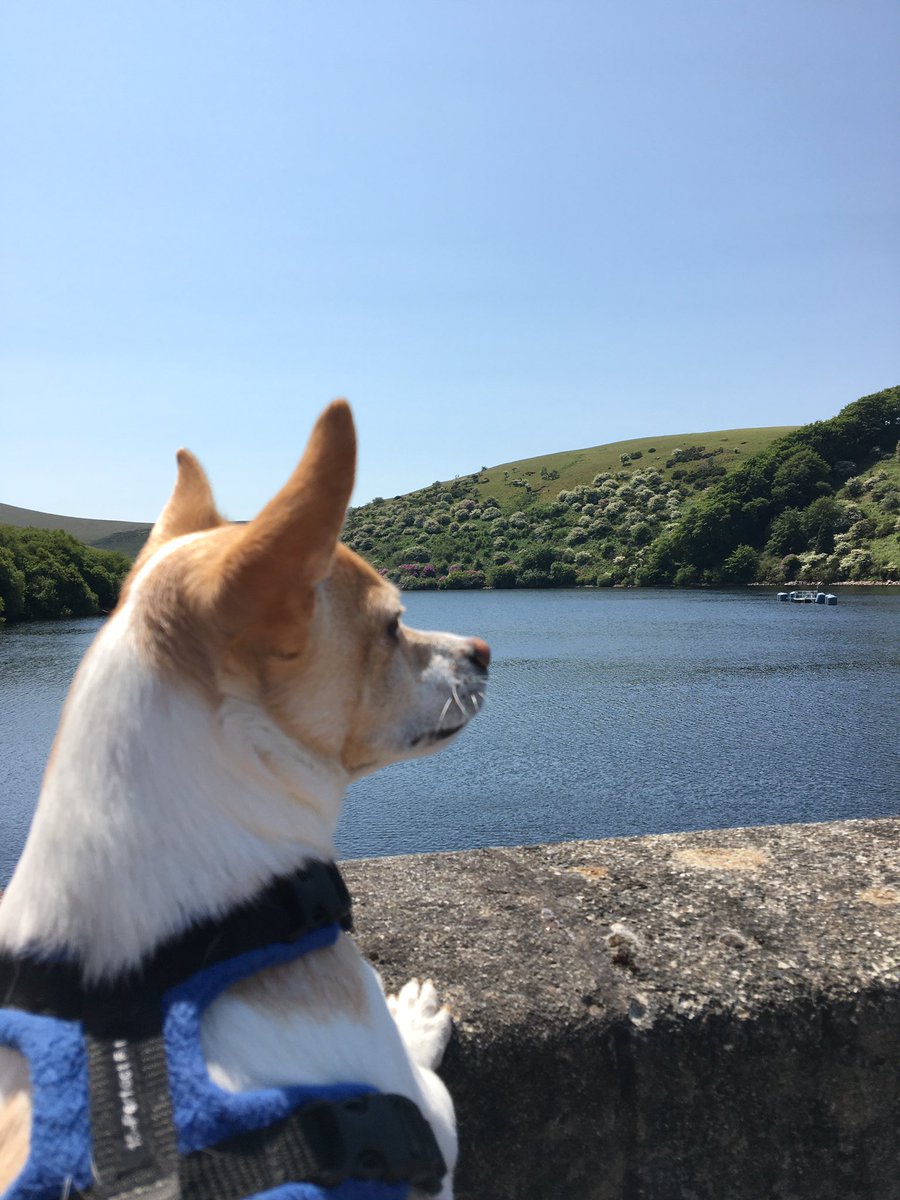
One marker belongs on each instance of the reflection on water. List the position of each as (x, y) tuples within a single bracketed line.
[(608, 713)]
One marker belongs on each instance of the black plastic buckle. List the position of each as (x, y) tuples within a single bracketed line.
[(375, 1137), (316, 896)]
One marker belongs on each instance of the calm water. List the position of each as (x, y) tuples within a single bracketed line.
[(609, 713)]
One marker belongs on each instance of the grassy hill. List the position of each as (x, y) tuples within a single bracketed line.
[(105, 535), (548, 473), (815, 502), (573, 517)]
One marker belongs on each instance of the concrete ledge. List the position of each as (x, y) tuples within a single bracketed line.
[(709, 1015)]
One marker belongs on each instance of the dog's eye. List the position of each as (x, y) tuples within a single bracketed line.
[(393, 629)]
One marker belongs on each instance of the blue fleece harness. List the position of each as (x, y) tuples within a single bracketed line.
[(123, 1107)]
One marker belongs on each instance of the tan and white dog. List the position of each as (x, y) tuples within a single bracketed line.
[(247, 676)]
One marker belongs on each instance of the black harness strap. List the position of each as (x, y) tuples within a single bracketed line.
[(286, 910)]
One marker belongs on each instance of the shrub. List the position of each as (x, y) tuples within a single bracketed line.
[(415, 584), (503, 576), (685, 577), (563, 575), (790, 566), (857, 564), (460, 580), (534, 579), (539, 558), (641, 533)]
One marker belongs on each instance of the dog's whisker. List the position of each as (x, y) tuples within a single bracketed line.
[(444, 711), (457, 699)]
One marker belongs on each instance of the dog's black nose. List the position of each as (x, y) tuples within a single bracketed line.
[(479, 653)]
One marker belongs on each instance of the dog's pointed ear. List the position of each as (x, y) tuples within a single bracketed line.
[(271, 570), (190, 509)]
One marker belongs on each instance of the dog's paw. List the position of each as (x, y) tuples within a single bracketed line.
[(424, 1025)]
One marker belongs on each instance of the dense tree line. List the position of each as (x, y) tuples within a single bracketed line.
[(46, 573), (778, 502)]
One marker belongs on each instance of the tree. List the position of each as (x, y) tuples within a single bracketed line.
[(787, 533), (741, 566), (795, 480), (821, 521), (12, 585)]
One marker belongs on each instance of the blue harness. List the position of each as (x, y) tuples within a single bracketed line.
[(123, 1107)]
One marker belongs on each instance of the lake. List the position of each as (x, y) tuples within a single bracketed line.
[(609, 712)]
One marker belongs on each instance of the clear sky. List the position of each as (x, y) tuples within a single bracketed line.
[(500, 227)]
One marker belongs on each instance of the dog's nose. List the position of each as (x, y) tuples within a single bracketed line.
[(479, 652)]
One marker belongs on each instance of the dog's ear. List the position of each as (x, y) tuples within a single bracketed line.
[(190, 509), (270, 571)]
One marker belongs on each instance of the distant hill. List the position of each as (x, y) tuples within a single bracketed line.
[(816, 502), (572, 517), (125, 536)]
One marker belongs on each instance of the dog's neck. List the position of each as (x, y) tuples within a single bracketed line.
[(157, 809)]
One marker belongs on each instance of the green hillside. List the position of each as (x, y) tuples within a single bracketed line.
[(548, 473), (815, 502), (572, 517), (125, 541)]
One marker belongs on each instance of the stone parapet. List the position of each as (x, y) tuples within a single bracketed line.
[(703, 1016)]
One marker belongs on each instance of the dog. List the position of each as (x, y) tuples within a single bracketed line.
[(248, 674)]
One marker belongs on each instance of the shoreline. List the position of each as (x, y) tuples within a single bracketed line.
[(793, 583)]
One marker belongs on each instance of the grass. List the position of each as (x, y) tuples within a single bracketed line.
[(576, 467)]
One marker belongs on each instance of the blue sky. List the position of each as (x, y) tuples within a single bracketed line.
[(500, 228)]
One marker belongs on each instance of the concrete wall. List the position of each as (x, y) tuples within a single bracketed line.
[(710, 1015)]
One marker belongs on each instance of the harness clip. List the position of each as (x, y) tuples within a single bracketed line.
[(372, 1137)]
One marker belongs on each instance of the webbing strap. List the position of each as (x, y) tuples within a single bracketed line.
[(133, 1138), (374, 1137)]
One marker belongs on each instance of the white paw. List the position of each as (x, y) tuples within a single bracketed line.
[(424, 1025)]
